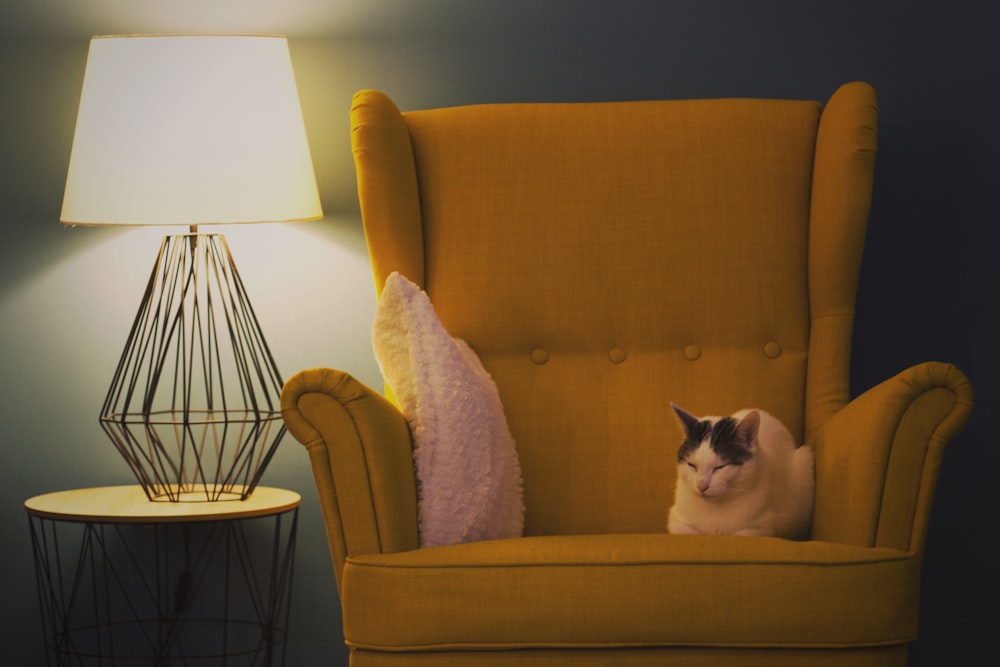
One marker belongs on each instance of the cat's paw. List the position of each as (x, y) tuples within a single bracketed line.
[(681, 528)]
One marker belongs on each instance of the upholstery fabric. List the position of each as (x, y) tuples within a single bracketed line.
[(630, 656), (604, 259), (694, 221), (630, 590)]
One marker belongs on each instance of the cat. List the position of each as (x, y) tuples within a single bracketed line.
[(741, 475)]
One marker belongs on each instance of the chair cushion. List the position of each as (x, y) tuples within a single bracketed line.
[(467, 468), (631, 590)]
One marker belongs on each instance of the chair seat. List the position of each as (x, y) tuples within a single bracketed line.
[(599, 591)]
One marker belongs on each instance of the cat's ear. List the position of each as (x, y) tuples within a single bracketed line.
[(687, 420), (746, 430)]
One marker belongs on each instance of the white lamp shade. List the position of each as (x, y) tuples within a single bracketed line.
[(189, 129)]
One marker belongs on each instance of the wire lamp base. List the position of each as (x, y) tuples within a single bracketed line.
[(194, 404)]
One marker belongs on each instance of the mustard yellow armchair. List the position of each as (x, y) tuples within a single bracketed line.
[(604, 260)]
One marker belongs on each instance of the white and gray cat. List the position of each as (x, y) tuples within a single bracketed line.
[(741, 475)]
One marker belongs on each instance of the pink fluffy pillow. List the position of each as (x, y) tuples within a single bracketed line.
[(466, 463)]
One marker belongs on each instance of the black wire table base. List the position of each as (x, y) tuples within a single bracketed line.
[(214, 592)]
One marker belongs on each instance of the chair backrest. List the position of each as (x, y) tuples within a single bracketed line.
[(605, 259)]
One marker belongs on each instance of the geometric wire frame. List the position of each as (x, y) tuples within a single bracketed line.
[(193, 407), (196, 593)]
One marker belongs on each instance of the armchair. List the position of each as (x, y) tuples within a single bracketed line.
[(603, 260)]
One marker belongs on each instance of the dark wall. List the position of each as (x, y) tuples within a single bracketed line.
[(929, 279)]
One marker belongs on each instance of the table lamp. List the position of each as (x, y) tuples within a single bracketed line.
[(192, 130)]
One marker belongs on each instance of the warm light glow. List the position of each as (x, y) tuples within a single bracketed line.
[(189, 129)]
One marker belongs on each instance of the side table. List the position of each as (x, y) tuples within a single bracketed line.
[(124, 580)]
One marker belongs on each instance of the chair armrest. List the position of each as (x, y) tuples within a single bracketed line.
[(360, 451), (877, 460)]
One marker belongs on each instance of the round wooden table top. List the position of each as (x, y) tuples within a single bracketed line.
[(129, 504)]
